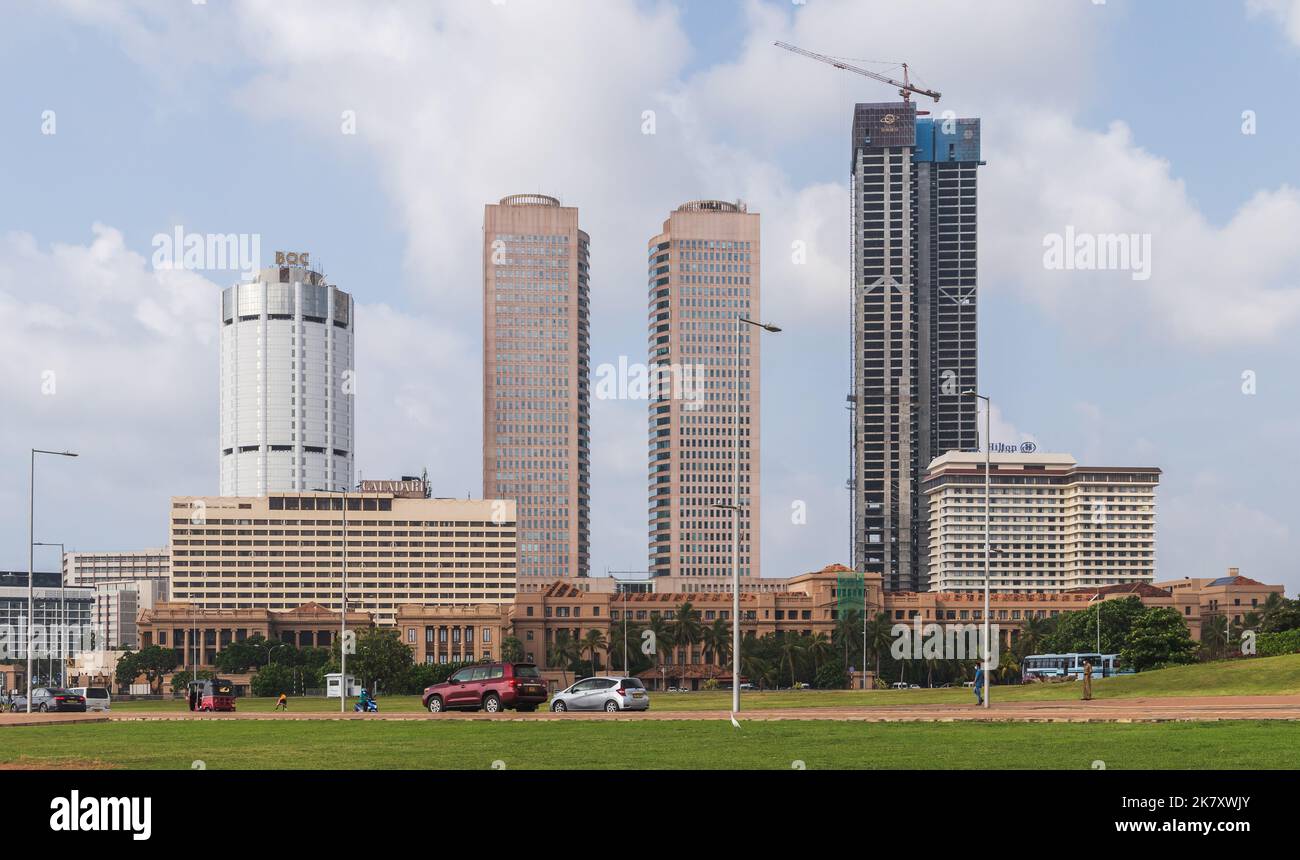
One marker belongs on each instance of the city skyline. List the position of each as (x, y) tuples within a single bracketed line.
[(1101, 364)]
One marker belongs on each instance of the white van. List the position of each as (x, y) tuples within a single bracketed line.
[(97, 698)]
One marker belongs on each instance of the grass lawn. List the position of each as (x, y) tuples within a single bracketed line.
[(1256, 676), (712, 744)]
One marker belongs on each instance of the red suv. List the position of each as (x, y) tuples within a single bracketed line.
[(490, 686)]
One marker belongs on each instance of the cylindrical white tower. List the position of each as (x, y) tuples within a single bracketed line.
[(287, 416)]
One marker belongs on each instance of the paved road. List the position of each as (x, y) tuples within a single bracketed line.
[(1099, 710)]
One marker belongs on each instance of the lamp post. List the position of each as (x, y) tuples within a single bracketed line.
[(741, 322), (63, 615), (31, 570), (343, 612), (988, 447)]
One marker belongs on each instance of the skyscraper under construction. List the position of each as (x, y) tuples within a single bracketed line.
[(913, 189)]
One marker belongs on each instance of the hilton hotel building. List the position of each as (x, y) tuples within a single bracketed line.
[(283, 550), (1055, 525)]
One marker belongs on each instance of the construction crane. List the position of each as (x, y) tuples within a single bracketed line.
[(905, 87)]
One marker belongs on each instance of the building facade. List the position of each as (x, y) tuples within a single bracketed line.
[(536, 379), (197, 635), (280, 551), (705, 370), (287, 413), (914, 262), (125, 583), (1054, 525), (454, 634), (61, 631)]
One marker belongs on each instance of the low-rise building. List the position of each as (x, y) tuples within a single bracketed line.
[(197, 635)]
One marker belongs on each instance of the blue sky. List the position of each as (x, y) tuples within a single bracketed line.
[(1115, 117)]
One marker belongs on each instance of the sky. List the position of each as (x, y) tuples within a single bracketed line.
[(372, 134)]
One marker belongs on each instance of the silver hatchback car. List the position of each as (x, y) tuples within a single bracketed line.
[(603, 693)]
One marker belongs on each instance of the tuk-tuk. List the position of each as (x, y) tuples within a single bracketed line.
[(212, 694)]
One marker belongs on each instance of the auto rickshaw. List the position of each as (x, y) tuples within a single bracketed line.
[(212, 694)]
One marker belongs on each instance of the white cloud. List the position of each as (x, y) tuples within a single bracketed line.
[(1287, 13)]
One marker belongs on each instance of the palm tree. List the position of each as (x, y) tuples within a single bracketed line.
[(819, 647), (848, 633), (1214, 638), (1032, 634), (717, 642), (591, 643), (791, 647), (662, 639), (616, 644), (879, 637), (563, 652), (687, 629), (1272, 604)]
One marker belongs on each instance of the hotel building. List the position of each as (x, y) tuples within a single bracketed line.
[(1055, 525), (913, 192), (280, 551), (536, 370), (287, 414), (703, 276)]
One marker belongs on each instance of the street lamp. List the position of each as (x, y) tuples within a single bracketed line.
[(988, 447), (741, 322), (343, 611), (63, 615), (31, 570)]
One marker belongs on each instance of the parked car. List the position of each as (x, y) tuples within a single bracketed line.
[(97, 698), (899, 685), (55, 699), (607, 693), (491, 686)]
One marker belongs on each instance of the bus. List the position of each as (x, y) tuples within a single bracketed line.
[(1044, 667)]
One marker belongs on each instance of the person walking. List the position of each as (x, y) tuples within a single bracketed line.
[(979, 684), (282, 704), (1087, 680)]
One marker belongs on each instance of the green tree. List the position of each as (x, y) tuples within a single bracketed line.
[(1159, 637), (831, 676), (564, 652), (662, 630), (592, 643), (792, 648), (127, 669), (716, 639), (251, 653), (274, 679), (512, 650), (848, 635), (879, 637), (381, 658), (1277, 615), (153, 662), (1076, 632), (819, 648), (686, 626)]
